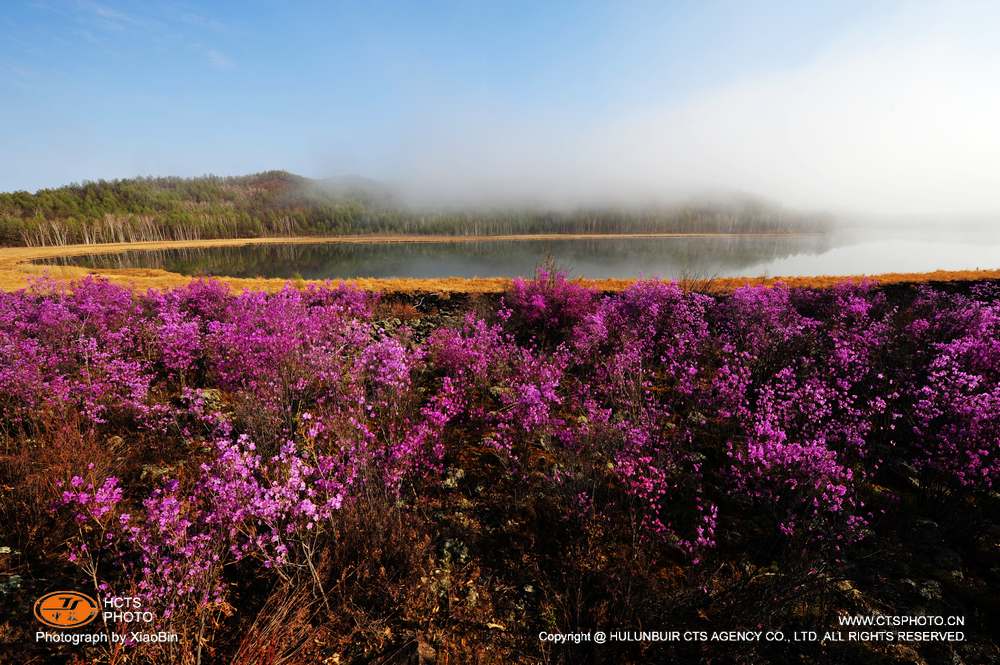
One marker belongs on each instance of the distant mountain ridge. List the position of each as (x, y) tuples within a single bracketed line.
[(279, 203)]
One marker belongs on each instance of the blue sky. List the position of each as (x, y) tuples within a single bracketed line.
[(423, 92)]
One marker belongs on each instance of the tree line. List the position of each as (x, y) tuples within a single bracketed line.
[(277, 203)]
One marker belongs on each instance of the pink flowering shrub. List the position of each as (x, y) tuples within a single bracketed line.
[(638, 357), (701, 422), (508, 394), (364, 418), (546, 307), (956, 392), (275, 346), (801, 377), (239, 505), (82, 349)]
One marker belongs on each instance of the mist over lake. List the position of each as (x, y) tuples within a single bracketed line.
[(839, 253)]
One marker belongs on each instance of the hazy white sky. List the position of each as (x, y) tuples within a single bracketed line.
[(900, 116), (845, 106)]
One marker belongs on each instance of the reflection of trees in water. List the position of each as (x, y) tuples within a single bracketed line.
[(612, 257)]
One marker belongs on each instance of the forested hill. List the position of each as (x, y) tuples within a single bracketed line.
[(277, 203)]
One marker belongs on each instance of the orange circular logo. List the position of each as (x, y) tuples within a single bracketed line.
[(65, 609)]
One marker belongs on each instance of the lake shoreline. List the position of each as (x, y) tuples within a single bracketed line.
[(17, 267)]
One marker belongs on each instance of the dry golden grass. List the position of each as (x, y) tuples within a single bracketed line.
[(16, 267)]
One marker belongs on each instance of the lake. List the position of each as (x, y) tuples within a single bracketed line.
[(840, 253)]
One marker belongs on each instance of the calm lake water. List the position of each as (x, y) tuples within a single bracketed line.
[(831, 254)]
